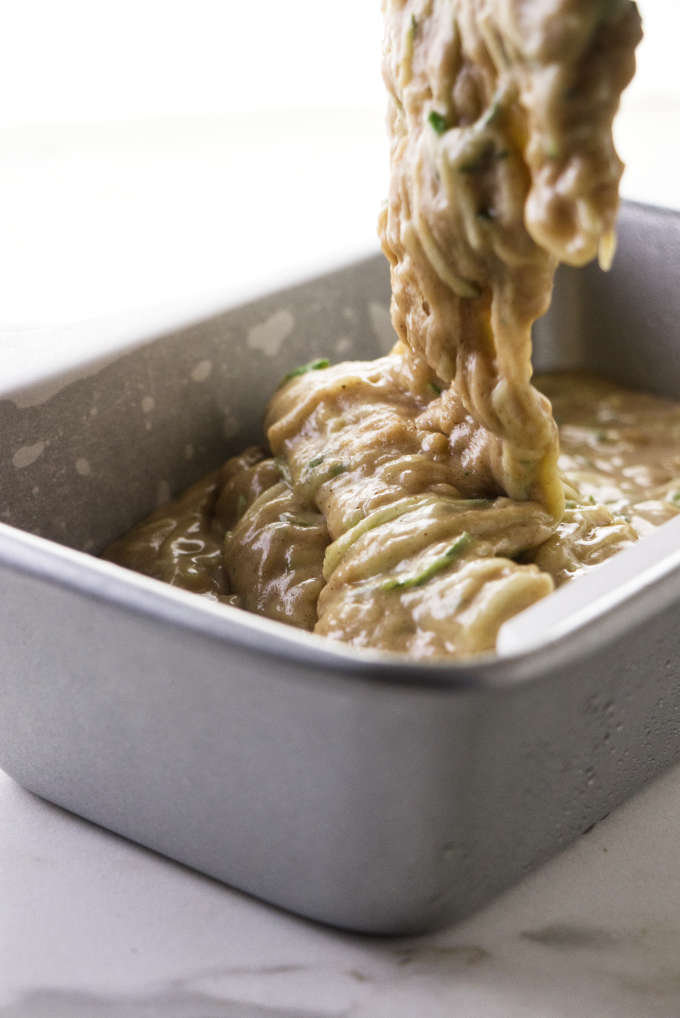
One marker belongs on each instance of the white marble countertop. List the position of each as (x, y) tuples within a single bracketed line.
[(92, 926)]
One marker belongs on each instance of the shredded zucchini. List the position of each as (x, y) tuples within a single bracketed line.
[(460, 545), (438, 122), (318, 365)]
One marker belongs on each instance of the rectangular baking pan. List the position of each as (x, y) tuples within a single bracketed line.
[(356, 788)]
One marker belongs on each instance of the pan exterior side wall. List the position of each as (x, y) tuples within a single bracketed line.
[(372, 806)]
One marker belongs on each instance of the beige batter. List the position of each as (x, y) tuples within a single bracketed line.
[(502, 164), (416, 502), (418, 568)]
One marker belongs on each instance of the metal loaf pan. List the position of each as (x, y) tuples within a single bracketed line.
[(358, 789)]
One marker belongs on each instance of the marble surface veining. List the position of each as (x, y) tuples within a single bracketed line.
[(93, 926)]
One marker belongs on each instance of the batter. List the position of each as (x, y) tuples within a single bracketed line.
[(416, 502)]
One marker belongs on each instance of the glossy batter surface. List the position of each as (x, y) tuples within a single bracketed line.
[(502, 164), (398, 558), (416, 502)]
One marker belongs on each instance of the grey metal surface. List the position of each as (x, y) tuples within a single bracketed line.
[(98, 455), (357, 789)]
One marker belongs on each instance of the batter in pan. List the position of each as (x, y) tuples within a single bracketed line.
[(416, 502)]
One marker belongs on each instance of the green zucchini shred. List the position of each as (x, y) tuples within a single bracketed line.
[(437, 122), (461, 543), (317, 365)]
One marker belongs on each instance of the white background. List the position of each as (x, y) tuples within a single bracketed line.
[(152, 149), (78, 60)]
